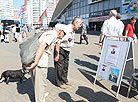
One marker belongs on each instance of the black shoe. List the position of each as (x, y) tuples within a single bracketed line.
[(2, 40)]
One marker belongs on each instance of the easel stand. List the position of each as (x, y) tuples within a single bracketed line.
[(116, 61)]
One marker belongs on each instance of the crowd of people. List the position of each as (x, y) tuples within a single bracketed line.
[(18, 32)]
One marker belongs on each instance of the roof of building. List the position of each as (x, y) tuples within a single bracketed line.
[(61, 6)]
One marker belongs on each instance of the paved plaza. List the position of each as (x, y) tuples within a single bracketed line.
[(82, 71)]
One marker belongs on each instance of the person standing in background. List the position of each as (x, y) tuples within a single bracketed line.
[(111, 27), (14, 31), (83, 34), (6, 33), (118, 17), (130, 29), (18, 34), (24, 31)]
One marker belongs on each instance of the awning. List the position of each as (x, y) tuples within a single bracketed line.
[(61, 6)]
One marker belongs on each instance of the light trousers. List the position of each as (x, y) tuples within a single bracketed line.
[(39, 75)]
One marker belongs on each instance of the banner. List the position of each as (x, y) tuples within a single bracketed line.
[(129, 6)]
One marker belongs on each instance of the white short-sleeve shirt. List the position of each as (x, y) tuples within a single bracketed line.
[(121, 26), (111, 27), (14, 29), (50, 38), (64, 43)]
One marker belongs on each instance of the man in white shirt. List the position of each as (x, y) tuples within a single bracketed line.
[(111, 27), (62, 51), (14, 31), (39, 66), (121, 24)]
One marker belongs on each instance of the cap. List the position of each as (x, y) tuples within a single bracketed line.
[(61, 27)]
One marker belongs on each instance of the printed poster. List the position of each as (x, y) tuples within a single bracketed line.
[(114, 75), (103, 72), (112, 55)]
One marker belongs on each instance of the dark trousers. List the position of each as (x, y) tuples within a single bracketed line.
[(85, 38), (61, 66)]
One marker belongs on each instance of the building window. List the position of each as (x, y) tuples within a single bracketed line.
[(112, 3), (91, 7), (100, 7), (77, 12), (80, 4), (106, 4), (87, 9), (117, 3), (95, 7)]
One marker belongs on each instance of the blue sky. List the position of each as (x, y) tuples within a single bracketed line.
[(18, 3)]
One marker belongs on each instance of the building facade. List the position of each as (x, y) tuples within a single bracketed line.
[(94, 12), (99, 11), (16, 14), (50, 7), (33, 9), (6, 9)]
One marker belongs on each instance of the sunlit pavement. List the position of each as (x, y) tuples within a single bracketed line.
[(82, 70)]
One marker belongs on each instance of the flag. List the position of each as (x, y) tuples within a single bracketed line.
[(44, 14), (19, 14)]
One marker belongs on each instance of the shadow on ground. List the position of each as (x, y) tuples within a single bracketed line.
[(51, 75), (124, 89), (66, 96), (90, 77), (83, 43), (89, 95), (86, 64), (92, 56), (26, 88)]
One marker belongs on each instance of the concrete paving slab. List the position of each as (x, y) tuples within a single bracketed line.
[(82, 70)]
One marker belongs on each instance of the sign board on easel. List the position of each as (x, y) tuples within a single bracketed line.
[(114, 60)]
